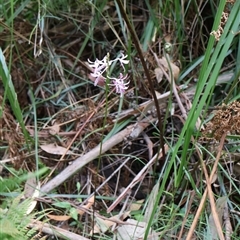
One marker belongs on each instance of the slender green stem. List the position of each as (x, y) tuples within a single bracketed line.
[(139, 50)]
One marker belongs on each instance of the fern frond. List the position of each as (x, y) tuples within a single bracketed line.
[(14, 224), (9, 184)]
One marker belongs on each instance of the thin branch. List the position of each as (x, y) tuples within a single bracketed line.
[(87, 158), (55, 231)]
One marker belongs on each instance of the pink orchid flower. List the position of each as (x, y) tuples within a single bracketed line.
[(100, 73)]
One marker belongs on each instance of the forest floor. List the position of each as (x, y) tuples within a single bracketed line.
[(120, 122)]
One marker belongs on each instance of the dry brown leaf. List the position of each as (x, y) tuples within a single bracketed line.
[(53, 148), (167, 38), (54, 130), (58, 218), (159, 74), (149, 143), (175, 69), (129, 232), (102, 225), (87, 206), (80, 212), (136, 205)]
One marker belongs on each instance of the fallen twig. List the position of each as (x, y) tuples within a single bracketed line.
[(55, 231), (88, 157)]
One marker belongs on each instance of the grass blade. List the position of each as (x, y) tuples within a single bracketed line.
[(10, 93)]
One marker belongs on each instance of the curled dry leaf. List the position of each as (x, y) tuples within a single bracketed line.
[(174, 69), (54, 129), (159, 74), (53, 148), (87, 206), (136, 205)]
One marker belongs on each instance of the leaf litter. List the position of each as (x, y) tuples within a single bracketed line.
[(71, 100)]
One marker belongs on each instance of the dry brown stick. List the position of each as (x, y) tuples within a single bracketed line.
[(56, 231), (198, 213), (88, 157)]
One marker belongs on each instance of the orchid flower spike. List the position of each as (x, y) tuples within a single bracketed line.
[(100, 73)]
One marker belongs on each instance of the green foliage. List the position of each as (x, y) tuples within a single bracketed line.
[(12, 183), (14, 221), (9, 184), (10, 93), (208, 76)]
